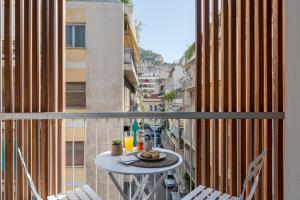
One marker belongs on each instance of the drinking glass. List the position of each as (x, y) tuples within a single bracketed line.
[(128, 144)]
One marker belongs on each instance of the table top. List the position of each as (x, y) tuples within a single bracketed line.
[(111, 164)]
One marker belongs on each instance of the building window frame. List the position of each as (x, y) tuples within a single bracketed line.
[(79, 158), (78, 90), (73, 39)]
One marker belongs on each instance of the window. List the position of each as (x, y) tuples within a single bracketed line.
[(75, 95), (155, 108), (78, 153), (75, 36), (151, 107)]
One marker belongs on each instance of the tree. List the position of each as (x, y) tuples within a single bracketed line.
[(138, 29), (127, 1), (188, 54), (170, 96)]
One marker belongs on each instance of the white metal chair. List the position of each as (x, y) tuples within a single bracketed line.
[(202, 192), (85, 192)]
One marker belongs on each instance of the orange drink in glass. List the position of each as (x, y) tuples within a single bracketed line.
[(128, 144)]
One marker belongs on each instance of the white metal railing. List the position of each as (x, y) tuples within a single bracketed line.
[(97, 130), (145, 115)]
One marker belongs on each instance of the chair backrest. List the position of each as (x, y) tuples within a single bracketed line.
[(254, 171), (35, 195)]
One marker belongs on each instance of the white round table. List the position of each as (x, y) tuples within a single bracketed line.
[(111, 165)]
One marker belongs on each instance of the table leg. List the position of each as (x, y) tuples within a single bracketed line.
[(160, 180), (117, 185), (154, 182), (140, 186)]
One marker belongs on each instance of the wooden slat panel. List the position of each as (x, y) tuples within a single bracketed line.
[(35, 88), (199, 88), (44, 100), (224, 87), (232, 129), (52, 95), (240, 91), (27, 83), (19, 92), (8, 91), (1, 104), (275, 91), (61, 93), (255, 79), (206, 97), (281, 96), (258, 79), (214, 95), (24, 89), (249, 78), (267, 4)]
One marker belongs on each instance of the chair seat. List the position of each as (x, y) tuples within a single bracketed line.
[(83, 193), (202, 192)]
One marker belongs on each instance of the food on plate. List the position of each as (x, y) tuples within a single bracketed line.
[(155, 155), (152, 154), (146, 154)]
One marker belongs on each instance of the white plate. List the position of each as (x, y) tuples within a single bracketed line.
[(162, 156)]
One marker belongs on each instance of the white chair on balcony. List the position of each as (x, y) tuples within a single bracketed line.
[(85, 192), (202, 192)]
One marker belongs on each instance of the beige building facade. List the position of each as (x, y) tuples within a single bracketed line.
[(101, 59)]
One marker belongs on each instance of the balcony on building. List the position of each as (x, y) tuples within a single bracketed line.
[(130, 67)]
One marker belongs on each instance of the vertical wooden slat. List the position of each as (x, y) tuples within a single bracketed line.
[(224, 87), (19, 90), (199, 88), (8, 90), (249, 78), (267, 4), (27, 83), (52, 95), (257, 77), (44, 100), (35, 89), (232, 95), (61, 92), (240, 91), (214, 96), (281, 97), (275, 92), (205, 139), (1, 103)]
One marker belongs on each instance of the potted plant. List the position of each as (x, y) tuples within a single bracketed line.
[(116, 147)]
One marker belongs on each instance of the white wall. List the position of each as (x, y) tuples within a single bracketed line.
[(105, 46), (292, 136), (104, 83)]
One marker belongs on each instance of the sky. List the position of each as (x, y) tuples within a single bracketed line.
[(168, 26)]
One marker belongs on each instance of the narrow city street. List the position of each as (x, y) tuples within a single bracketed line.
[(162, 193)]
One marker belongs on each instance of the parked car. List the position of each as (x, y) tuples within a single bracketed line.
[(148, 128), (170, 181), (158, 130), (158, 138)]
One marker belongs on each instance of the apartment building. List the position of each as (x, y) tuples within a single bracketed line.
[(189, 99), (101, 59), (180, 136)]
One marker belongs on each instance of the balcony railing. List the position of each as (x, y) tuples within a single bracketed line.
[(89, 134), (128, 57)]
